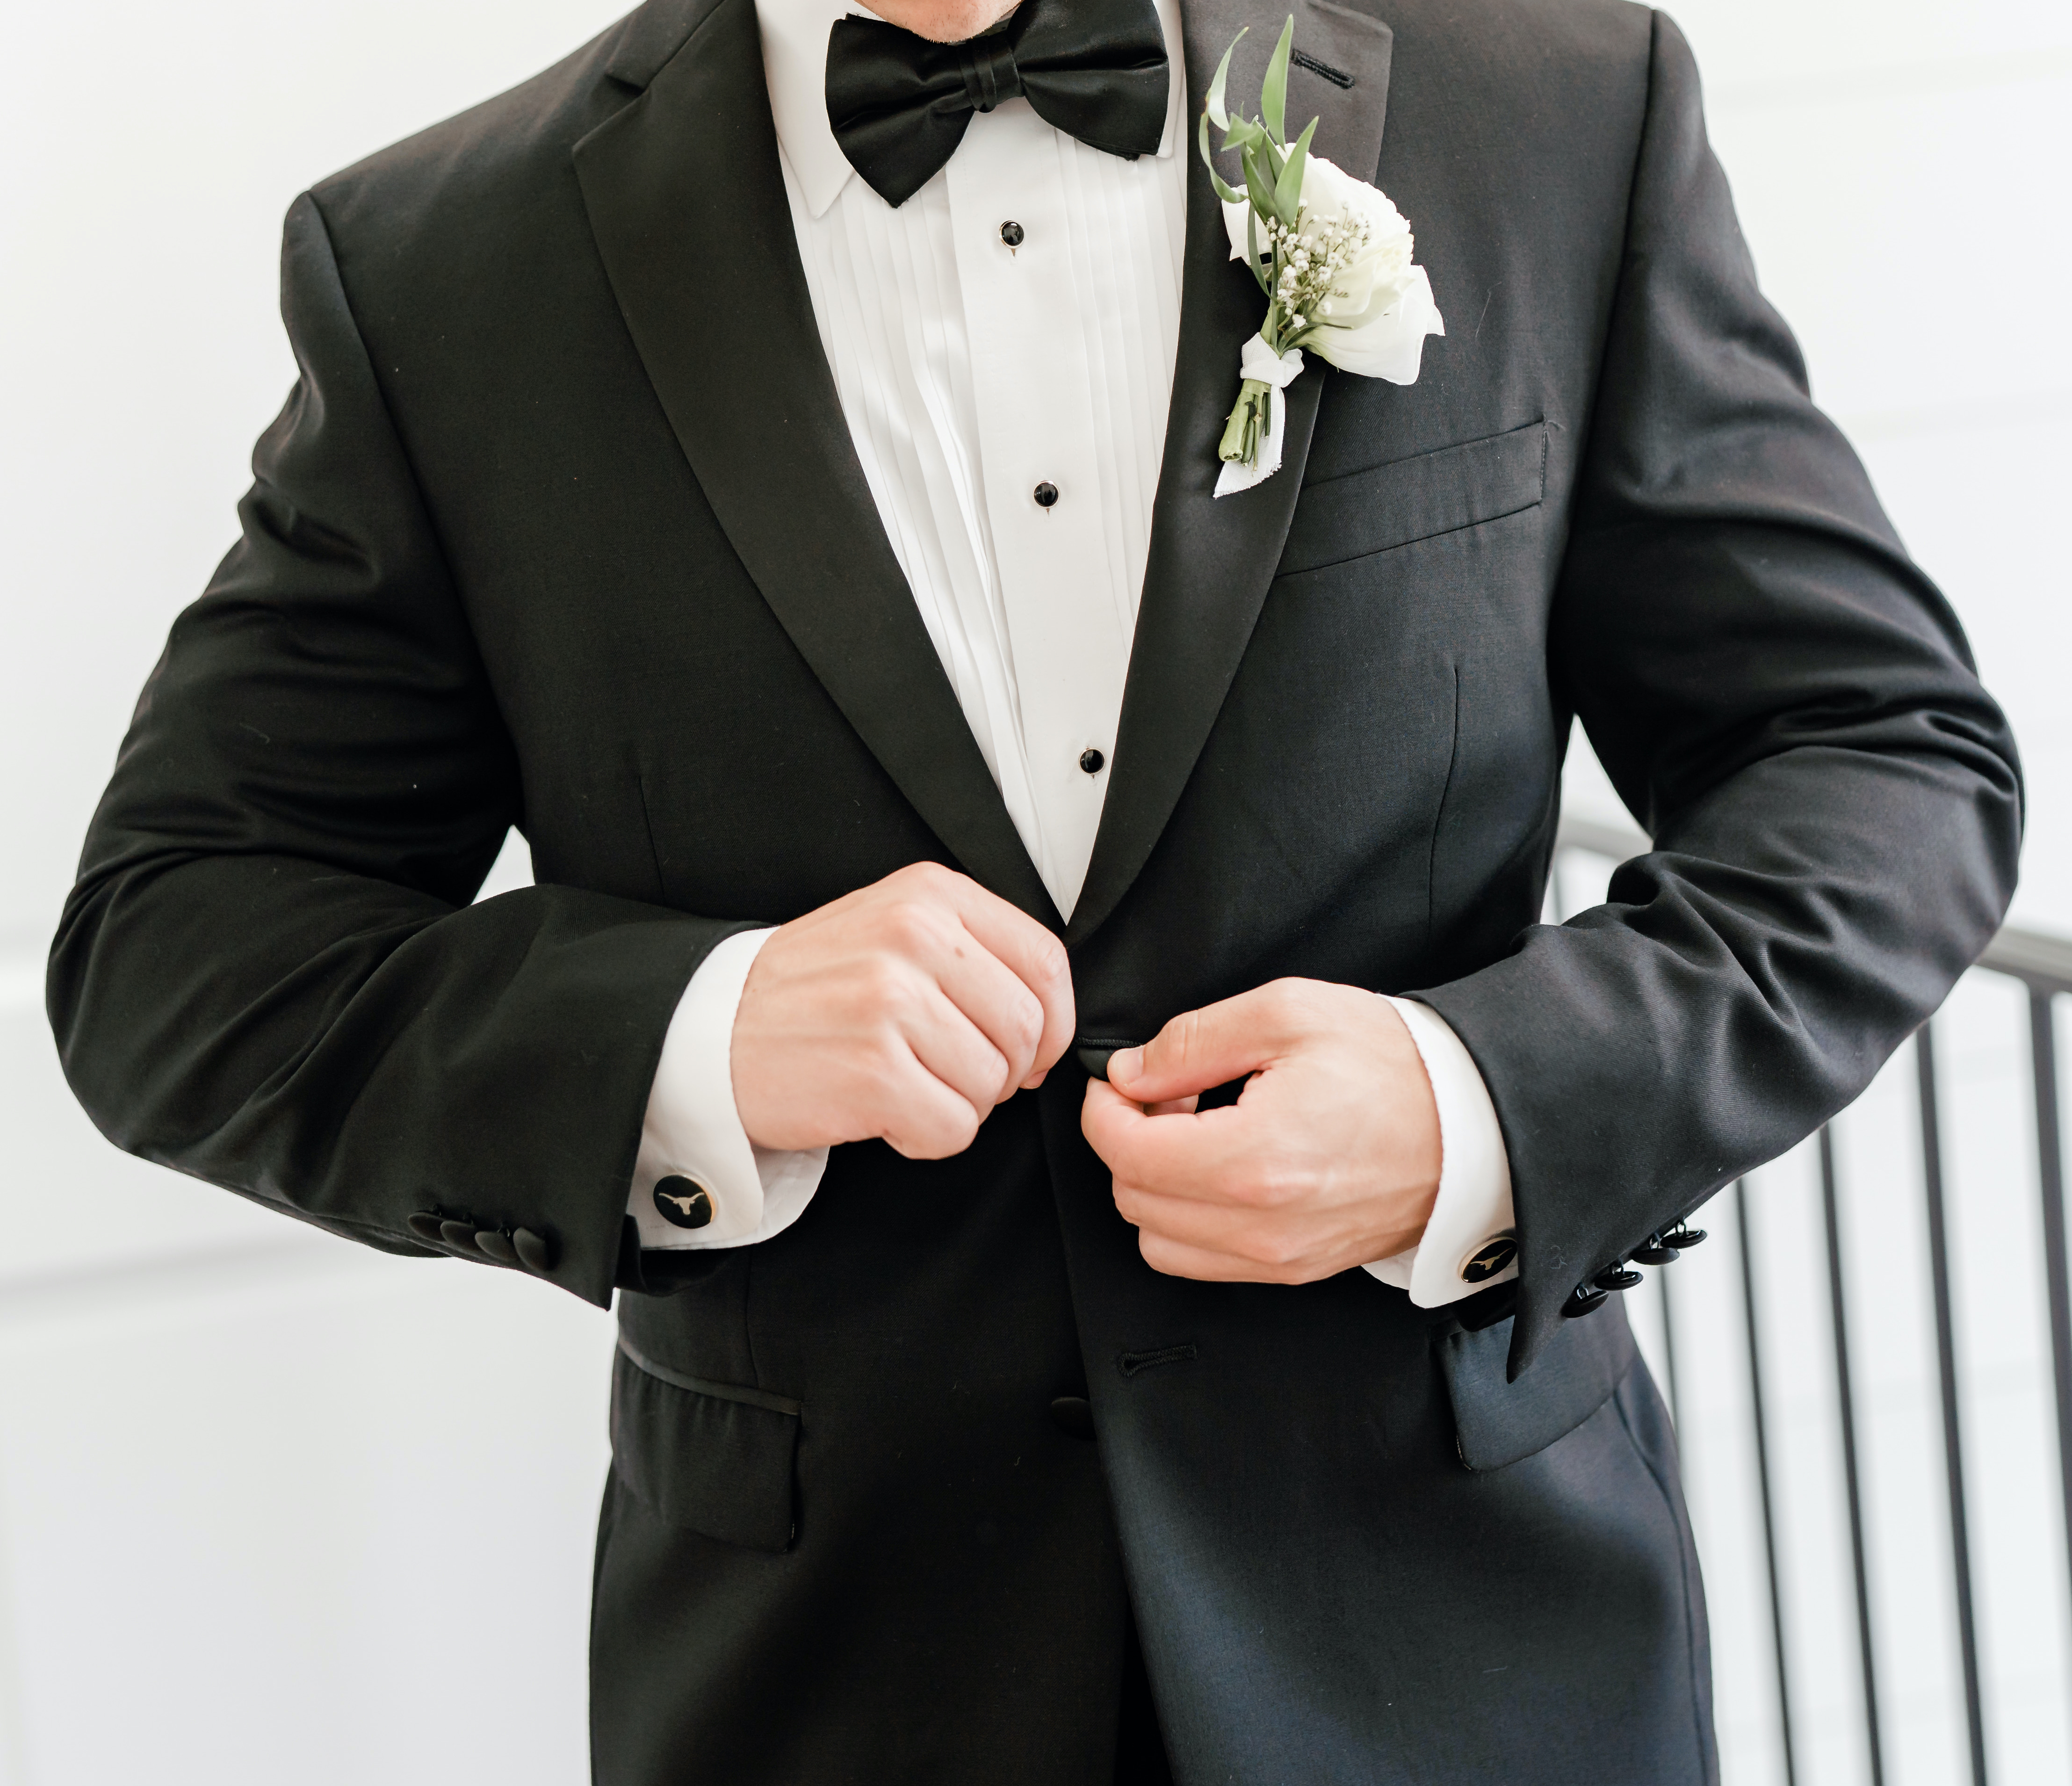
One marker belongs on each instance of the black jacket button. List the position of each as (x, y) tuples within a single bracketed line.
[(1680, 1237), (1583, 1302), (533, 1253), (1614, 1278), (1073, 1414), (425, 1226), (459, 1235), (496, 1246), (1655, 1253)]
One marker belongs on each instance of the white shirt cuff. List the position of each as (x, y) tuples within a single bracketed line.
[(692, 1130), (1472, 1225)]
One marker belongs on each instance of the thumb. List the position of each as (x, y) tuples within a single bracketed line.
[(1197, 1050)]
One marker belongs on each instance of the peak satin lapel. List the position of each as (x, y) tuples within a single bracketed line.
[(687, 203), (1210, 561)]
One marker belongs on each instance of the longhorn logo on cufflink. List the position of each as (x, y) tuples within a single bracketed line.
[(682, 1202), (1488, 1258)]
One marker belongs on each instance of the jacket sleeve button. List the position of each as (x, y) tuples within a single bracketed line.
[(494, 1246), (425, 1226), (458, 1235), (534, 1252)]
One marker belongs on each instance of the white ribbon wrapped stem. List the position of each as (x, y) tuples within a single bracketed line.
[(1277, 372)]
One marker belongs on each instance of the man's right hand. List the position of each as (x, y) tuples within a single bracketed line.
[(904, 1012)]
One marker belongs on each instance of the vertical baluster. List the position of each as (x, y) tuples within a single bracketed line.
[(1668, 1345), (1946, 1359), (2050, 1173), (1846, 1399), (1757, 1408)]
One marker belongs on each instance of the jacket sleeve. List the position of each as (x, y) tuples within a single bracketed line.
[(269, 974), (1790, 710)]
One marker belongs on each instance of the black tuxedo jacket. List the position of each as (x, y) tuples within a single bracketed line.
[(561, 527)]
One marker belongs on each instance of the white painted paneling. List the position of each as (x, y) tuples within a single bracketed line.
[(304, 1514), (272, 1508)]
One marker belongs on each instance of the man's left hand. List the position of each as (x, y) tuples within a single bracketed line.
[(1329, 1159)]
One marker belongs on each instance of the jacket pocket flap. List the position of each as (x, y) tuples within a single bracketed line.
[(716, 1457), (1391, 505), (1498, 1422)]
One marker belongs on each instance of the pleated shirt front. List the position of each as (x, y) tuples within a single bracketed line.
[(1006, 388)]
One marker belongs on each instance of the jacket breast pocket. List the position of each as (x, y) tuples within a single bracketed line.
[(719, 1458), (1497, 1422), (1386, 506)]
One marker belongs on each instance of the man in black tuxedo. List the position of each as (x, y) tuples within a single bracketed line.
[(1046, 1430)]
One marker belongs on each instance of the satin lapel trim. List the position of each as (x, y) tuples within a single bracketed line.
[(1210, 562), (686, 200)]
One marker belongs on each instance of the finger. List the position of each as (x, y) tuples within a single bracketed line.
[(1200, 1049), (1108, 1120), (922, 1118), (1209, 1156), (1035, 956), (1273, 1239), (1175, 1259), (953, 1048), (997, 1002)]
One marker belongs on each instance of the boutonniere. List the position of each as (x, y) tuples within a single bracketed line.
[(1330, 253)]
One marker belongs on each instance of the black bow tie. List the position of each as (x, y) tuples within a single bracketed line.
[(901, 105)]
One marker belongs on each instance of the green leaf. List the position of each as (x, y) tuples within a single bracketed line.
[(1251, 249), (1225, 190), (1258, 185), (1273, 96), (1241, 132), (1215, 106), (1287, 189)]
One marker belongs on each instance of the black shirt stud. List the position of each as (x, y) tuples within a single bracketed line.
[(682, 1202), (1046, 495), (1092, 761), (1010, 232)]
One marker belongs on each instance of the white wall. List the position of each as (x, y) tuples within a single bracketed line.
[(271, 1507), (274, 1509), (1900, 167)]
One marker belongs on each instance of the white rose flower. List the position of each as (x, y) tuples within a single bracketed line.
[(1381, 307)]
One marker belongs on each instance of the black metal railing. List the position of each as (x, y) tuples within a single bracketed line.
[(2042, 966)]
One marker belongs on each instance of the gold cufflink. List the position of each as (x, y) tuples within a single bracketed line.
[(1488, 1258), (682, 1202)]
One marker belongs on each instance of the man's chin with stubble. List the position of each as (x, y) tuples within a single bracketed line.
[(943, 21)]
